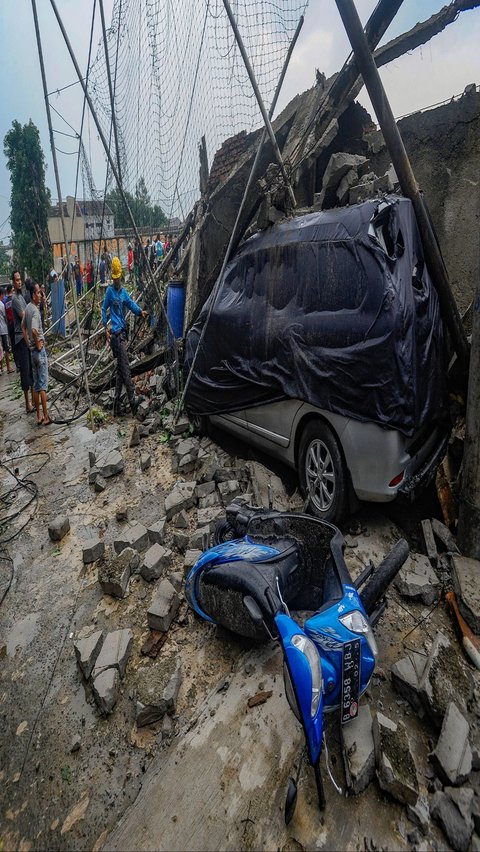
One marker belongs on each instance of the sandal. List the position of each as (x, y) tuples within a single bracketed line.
[(46, 422), (31, 410), (40, 422)]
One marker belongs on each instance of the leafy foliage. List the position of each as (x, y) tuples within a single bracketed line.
[(29, 200), (146, 214), (5, 265)]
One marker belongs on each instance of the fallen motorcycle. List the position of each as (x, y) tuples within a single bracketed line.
[(264, 565)]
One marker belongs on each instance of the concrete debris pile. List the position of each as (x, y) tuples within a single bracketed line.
[(103, 661), (349, 179)]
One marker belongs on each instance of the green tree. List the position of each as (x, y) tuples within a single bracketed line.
[(146, 214), (5, 265), (30, 200)]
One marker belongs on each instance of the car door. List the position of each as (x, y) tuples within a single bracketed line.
[(270, 425)]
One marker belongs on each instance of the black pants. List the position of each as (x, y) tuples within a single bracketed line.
[(21, 353), (118, 342)]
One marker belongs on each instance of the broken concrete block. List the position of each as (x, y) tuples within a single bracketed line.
[(209, 501), (105, 690), (229, 490), (406, 674), (419, 814), (343, 189), (396, 770), (359, 750), (135, 535), (417, 580), (155, 561), (180, 541), (135, 439), (456, 829), (429, 539), (361, 191), (114, 573), (191, 557), (265, 482), (200, 539), (182, 521), (145, 461), (93, 549), (465, 573), (99, 483), (338, 166), (123, 513), (76, 744), (444, 675), (463, 798), (452, 756), (210, 517), (142, 410), (176, 580), (112, 465), (444, 536), (92, 458), (182, 425), (87, 651), (156, 532), (115, 652), (156, 690), (58, 528), (204, 489), (181, 497), (163, 607)]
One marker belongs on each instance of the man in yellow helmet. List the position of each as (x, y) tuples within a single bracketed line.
[(116, 302)]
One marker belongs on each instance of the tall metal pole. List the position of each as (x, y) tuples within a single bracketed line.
[(113, 168), (110, 88), (60, 206), (403, 168), (258, 96), (233, 235)]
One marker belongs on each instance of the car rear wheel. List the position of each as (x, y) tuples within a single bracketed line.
[(322, 472)]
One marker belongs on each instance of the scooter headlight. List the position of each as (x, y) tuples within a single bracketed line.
[(307, 647), (357, 623)]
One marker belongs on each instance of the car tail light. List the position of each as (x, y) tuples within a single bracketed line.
[(396, 479)]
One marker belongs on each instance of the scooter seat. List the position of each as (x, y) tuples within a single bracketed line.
[(257, 579)]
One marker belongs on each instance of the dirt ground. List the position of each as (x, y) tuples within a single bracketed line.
[(54, 798)]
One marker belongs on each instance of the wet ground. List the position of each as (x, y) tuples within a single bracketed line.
[(51, 797)]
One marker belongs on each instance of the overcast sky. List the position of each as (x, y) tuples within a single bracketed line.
[(430, 74)]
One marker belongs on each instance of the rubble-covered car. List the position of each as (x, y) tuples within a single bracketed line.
[(325, 348)]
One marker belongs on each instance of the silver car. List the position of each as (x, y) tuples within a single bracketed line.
[(338, 458)]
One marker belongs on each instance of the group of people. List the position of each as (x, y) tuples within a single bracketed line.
[(22, 334)]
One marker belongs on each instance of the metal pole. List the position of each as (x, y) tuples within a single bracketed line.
[(258, 96), (233, 235), (114, 169), (110, 88), (403, 168), (60, 205)]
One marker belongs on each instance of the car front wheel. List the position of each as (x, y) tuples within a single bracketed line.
[(322, 473)]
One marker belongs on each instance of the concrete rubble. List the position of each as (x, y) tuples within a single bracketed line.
[(156, 690), (155, 561), (87, 651), (396, 770), (58, 528), (465, 582), (444, 675), (93, 549), (134, 535), (417, 580), (452, 756), (164, 607), (181, 497), (359, 750), (115, 571)]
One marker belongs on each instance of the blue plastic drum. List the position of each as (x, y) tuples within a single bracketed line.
[(176, 306)]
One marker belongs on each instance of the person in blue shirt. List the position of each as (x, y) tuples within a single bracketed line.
[(115, 304)]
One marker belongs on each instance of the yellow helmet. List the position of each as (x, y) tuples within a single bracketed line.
[(116, 268)]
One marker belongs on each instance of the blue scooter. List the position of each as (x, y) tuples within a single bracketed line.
[(266, 563)]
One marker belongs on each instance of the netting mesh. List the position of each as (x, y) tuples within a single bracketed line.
[(178, 75)]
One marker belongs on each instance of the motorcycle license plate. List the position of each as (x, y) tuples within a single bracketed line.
[(350, 680)]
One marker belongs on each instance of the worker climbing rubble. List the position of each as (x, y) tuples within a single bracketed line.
[(115, 304)]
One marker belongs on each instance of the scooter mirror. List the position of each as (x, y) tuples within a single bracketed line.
[(253, 609), (290, 800)]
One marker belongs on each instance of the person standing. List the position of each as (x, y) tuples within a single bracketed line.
[(89, 274), (21, 349), (78, 273), (7, 301), (32, 326), (4, 335), (115, 303), (130, 262)]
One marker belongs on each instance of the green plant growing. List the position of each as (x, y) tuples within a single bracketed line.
[(29, 200)]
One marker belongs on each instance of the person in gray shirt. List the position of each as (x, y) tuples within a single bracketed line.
[(21, 350), (32, 324)]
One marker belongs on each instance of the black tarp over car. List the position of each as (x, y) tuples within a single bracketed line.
[(334, 308)]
